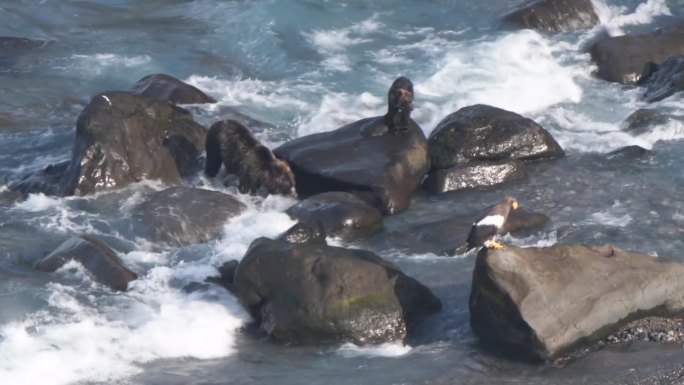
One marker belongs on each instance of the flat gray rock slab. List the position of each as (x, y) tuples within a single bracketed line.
[(544, 302)]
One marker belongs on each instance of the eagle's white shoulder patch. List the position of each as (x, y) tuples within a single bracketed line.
[(492, 220)]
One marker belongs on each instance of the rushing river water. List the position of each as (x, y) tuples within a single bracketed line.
[(307, 66)]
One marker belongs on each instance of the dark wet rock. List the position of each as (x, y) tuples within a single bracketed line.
[(545, 302), (390, 166), (486, 133), (521, 220), (226, 275), (627, 152), (666, 80), (96, 257), (181, 215), (340, 213), (447, 236), (312, 294), (475, 174), (123, 138), (304, 232), (44, 181), (12, 49), (622, 58), (170, 89), (644, 120), (555, 15)]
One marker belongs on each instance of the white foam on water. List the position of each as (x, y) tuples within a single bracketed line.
[(85, 337), (613, 18), (536, 240), (389, 349), (240, 231), (338, 109), (517, 72), (98, 63), (583, 133), (332, 44), (616, 216), (39, 202)]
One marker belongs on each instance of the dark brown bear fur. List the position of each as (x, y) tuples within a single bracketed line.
[(231, 144), (399, 105)]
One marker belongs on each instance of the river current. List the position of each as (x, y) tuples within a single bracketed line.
[(307, 66)]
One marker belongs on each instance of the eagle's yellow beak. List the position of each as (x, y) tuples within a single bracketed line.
[(515, 205)]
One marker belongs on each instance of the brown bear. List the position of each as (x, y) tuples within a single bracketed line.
[(259, 171)]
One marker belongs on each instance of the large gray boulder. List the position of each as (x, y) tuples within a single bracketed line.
[(181, 215), (485, 133), (123, 138), (97, 258), (545, 302), (388, 167), (622, 58), (310, 293), (555, 15)]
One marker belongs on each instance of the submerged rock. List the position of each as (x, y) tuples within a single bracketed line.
[(340, 213), (46, 181), (98, 259), (555, 15), (622, 58), (627, 152), (180, 216), (123, 138), (446, 237), (170, 89), (311, 294), (13, 49), (644, 120), (545, 302), (476, 174), (666, 79), (486, 133)]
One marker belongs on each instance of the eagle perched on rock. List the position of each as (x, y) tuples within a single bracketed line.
[(484, 232)]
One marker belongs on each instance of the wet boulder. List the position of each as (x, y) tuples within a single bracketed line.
[(667, 79), (542, 303), (622, 58), (340, 213), (99, 260), (627, 153), (180, 216), (485, 133), (472, 175), (304, 232), (644, 120), (313, 294), (170, 89), (387, 166), (555, 15), (123, 138)]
